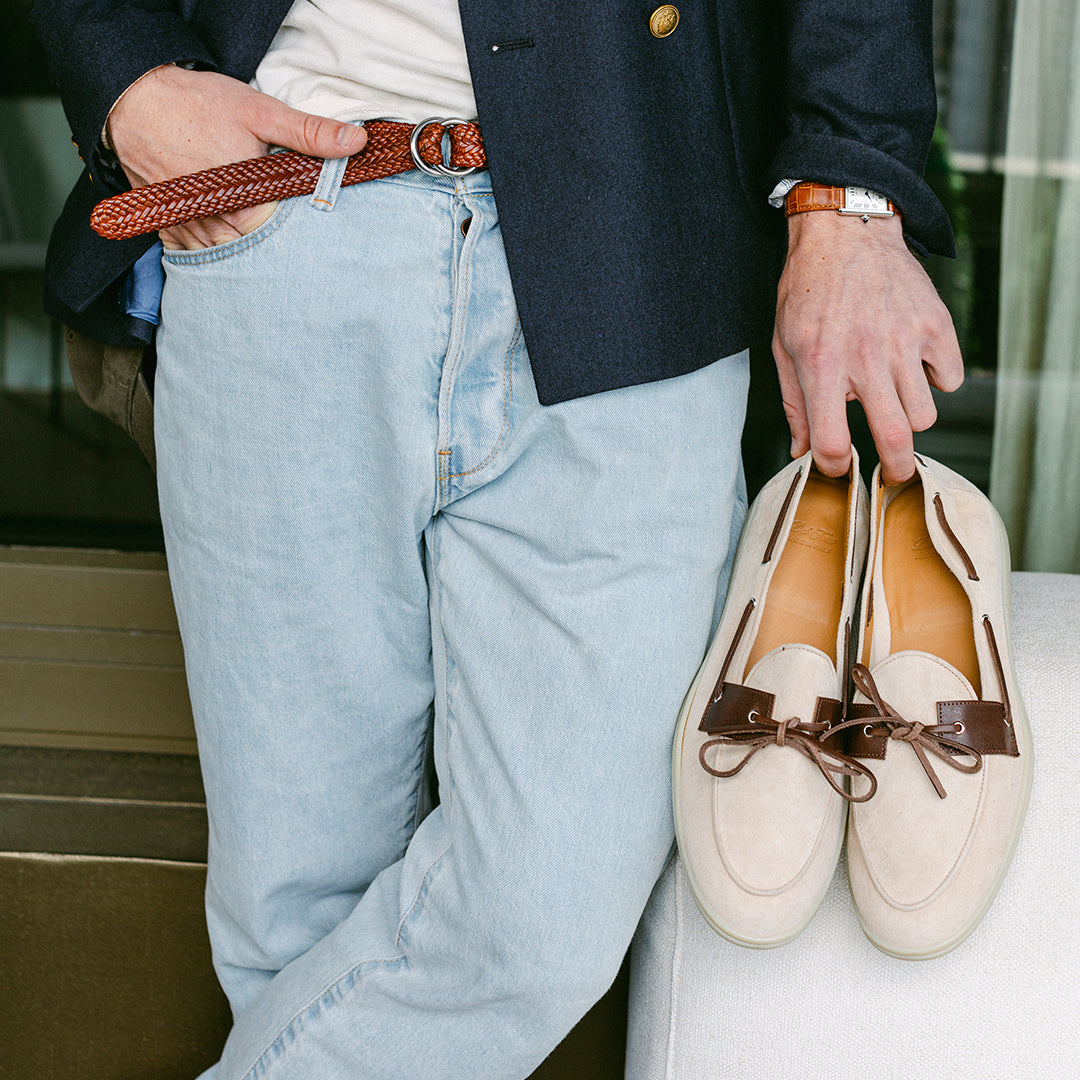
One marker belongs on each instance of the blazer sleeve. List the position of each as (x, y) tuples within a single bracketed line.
[(861, 104), (98, 48)]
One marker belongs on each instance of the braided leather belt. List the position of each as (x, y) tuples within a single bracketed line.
[(391, 148)]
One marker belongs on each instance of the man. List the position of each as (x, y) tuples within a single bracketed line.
[(444, 480)]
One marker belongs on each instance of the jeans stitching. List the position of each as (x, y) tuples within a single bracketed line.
[(318, 1004), (447, 805), (446, 456), (496, 450), (421, 892), (447, 393)]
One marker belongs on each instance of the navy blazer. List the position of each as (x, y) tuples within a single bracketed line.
[(631, 172)]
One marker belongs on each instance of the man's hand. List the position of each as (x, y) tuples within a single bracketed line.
[(858, 318), (173, 121)]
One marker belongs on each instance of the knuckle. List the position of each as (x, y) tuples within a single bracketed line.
[(832, 449), (256, 110), (816, 362), (923, 417), (893, 442), (866, 350), (953, 378), (311, 127), (893, 437), (941, 322)]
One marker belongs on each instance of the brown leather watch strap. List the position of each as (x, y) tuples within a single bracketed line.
[(810, 195)]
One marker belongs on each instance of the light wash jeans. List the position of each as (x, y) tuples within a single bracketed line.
[(384, 552)]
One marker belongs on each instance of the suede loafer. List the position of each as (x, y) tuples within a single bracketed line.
[(938, 716), (759, 793)]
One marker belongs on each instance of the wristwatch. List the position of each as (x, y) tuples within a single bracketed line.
[(857, 201)]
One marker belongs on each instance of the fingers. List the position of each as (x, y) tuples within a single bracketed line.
[(894, 409), (172, 122), (815, 410), (895, 391), (271, 123), (895, 397), (942, 359), (805, 436), (209, 232), (858, 319), (892, 431), (318, 136)]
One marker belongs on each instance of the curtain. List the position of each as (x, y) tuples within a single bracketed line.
[(1035, 468)]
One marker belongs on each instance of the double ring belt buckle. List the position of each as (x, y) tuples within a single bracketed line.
[(440, 169)]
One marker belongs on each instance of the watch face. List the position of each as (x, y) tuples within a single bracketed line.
[(859, 200)]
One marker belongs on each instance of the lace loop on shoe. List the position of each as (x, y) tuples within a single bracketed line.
[(760, 729), (923, 738)]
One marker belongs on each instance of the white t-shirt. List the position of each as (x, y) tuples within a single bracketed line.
[(370, 59)]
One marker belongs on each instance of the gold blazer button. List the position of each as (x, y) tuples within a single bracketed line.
[(663, 20)]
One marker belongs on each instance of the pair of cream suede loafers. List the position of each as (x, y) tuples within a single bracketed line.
[(905, 734)]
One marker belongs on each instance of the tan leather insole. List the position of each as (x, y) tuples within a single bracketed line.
[(804, 598), (928, 608)]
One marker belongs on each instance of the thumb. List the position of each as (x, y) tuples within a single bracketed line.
[(317, 136)]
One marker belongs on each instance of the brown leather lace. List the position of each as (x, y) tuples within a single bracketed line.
[(923, 738), (805, 736)]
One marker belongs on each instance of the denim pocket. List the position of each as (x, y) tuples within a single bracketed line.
[(230, 248)]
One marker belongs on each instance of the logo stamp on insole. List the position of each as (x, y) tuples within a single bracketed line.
[(814, 536), (923, 548)]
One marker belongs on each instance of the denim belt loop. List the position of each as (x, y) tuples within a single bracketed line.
[(333, 169), (326, 191)]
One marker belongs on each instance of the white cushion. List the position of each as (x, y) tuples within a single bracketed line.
[(1005, 1004)]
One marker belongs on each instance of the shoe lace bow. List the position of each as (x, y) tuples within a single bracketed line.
[(807, 737), (924, 739)]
